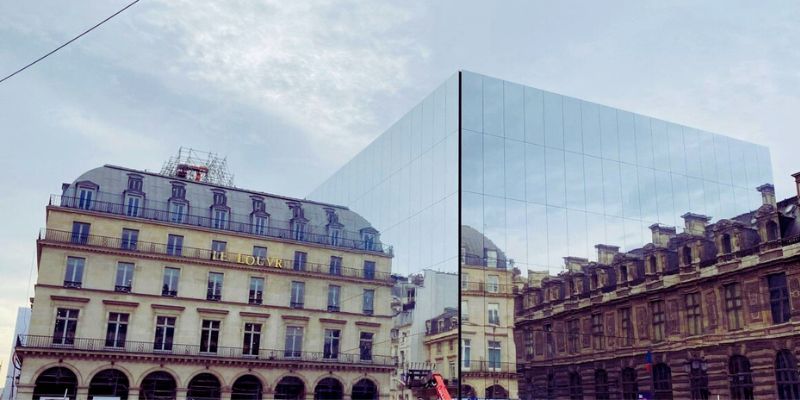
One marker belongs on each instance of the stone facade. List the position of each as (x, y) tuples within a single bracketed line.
[(711, 311), (441, 345), (235, 294)]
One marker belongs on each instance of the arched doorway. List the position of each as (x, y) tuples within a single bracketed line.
[(204, 387), (158, 385), (328, 389), (364, 389), (467, 392), (247, 387), (496, 392), (56, 382), (109, 383), (291, 388)]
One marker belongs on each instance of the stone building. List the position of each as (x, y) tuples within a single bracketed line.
[(441, 346), (711, 311), (168, 286), (488, 352)]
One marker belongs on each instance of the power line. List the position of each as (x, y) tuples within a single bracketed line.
[(68, 42)]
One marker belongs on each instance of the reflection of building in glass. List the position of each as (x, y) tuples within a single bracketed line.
[(441, 346), (164, 286), (488, 352), (715, 307)]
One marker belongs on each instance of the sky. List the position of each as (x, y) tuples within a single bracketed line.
[(289, 91)]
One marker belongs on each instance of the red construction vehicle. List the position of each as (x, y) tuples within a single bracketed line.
[(426, 384)]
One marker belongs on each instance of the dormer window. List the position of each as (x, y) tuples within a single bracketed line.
[(219, 218), (727, 247), (772, 230), (220, 199), (595, 281), (178, 191), (133, 204), (260, 224), (258, 205), (334, 235), (135, 183), (653, 264), (687, 255), (86, 195), (623, 273), (491, 258)]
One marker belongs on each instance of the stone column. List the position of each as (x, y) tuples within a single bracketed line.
[(82, 393), (180, 393), (133, 393), (226, 393)]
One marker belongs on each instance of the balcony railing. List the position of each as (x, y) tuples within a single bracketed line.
[(133, 347), (484, 287), (53, 235), (488, 366), (158, 211)]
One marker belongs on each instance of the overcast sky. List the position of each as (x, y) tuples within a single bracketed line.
[(290, 91)]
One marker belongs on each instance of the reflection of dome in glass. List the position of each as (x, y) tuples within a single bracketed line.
[(476, 248)]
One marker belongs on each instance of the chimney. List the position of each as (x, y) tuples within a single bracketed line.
[(575, 264), (797, 184), (695, 224), (535, 278), (768, 192), (662, 234), (606, 253)]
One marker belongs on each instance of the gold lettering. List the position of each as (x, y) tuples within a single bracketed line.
[(249, 260), (239, 258), (278, 263), (259, 261), (270, 260)]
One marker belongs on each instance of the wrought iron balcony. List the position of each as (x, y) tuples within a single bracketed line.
[(483, 287), (488, 366), (58, 236), (25, 342), (241, 223)]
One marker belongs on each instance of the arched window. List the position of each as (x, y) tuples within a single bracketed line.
[(741, 378), (157, 385), (56, 382), (727, 247), (662, 382), (630, 387), (687, 256), (772, 230), (496, 392), (204, 387), (328, 389), (575, 388), (247, 387), (786, 376), (109, 383), (290, 388), (467, 392), (365, 389), (698, 380), (601, 385)]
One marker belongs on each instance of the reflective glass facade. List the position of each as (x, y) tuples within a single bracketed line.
[(546, 176), (406, 184)]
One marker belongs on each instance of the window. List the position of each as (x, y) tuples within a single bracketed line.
[(369, 240), (66, 325), (80, 232), (698, 380), (178, 191), (494, 355), (727, 247), (214, 291), (330, 349), (694, 318), (260, 253), (575, 388), (464, 310), (298, 294), (129, 239), (219, 199), (630, 387), (132, 205), (218, 246), (491, 258), (294, 341), (334, 235), (134, 183), (597, 331), (365, 346), (733, 305), (256, 290), (116, 330), (786, 376), (626, 325), (209, 336), (623, 272), (165, 331), (336, 266), (85, 197), (741, 378), (493, 313), (549, 344), (657, 311), (252, 339), (174, 245), (369, 298), (124, 279), (333, 298), (653, 264), (369, 269), (219, 218), (439, 348), (177, 211), (662, 382), (299, 263), (171, 277), (601, 385), (687, 256), (298, 230), (573, 331), (772, 230), (464, 281), (260, 224), (528, 343), (73, 278), (492, 283), (465, 353), (779, 298)]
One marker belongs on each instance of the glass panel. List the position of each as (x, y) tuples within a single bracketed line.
[(680, 190), (493, 161), (537, 236), (557, 242), (492, 106), (666, 207), (575, 184), (471, 101), (515, 169), (697, 203), (630, 191), (644, 141), (677, 153), (608, 133), (723, 159), (691, 142), (553, 121), (535, 182), (516, 243), (573, 137), (534, 116), (494, 219), (660, 149), (472, 161), (593, 176), (578, 234), (708, 161), (627, 140), (590, 121), (612, 188), (556, 181)]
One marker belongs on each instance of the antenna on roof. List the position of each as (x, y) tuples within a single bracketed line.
[(198, 166)]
